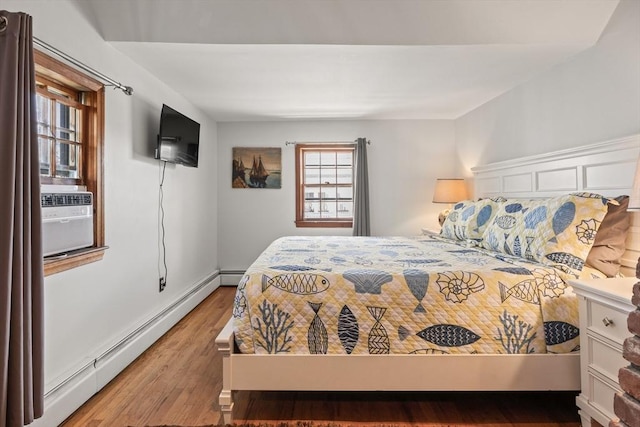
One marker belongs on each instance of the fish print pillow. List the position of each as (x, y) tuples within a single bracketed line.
[(558, 231), (468, 220)]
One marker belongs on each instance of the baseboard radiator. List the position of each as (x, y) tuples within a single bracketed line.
[(70, 393), (231, 277)]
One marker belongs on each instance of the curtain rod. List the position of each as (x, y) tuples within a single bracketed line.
[(126, 89), (328, 143)]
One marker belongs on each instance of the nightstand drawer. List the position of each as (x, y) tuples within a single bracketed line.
[(617, 321), (602, 396), (605, 359), (601, 345)]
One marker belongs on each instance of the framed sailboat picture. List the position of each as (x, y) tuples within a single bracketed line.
[(255, 167)]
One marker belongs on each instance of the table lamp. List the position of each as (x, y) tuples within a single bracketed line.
[(452, 190)]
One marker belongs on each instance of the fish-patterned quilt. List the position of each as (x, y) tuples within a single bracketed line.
[(401, 295)]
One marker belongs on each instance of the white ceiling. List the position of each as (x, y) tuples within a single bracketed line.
[(356, 59)]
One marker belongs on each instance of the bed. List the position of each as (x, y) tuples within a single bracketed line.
[(483, 305)]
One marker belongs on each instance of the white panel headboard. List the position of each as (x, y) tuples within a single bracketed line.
[(605, 168)]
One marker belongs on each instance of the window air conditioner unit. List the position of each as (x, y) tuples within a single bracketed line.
[(67, 221)]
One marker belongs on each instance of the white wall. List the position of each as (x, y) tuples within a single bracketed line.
[(405, 158), (90, 308), (592, 97)]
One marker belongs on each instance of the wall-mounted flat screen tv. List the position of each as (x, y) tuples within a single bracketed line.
[(178, 139)]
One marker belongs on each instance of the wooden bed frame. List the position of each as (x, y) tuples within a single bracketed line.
[(606, 168)]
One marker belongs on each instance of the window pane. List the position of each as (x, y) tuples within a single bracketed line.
[(66, 119), (345, 158), (312, 176), (327, 210), (43, 115), (328, 176), (345, 176), (67, 160), (44, 154), (345, 209), (329, 193), (328, 158), (311, 193), (311, 158), (312, 210), (345, 193)]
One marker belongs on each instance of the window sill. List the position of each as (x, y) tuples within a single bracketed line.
[(325, 224), (73, 259)]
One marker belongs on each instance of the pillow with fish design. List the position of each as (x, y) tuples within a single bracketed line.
[(468, 220), (558, 231)]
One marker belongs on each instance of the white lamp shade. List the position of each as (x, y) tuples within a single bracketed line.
[(634, 197), (449, 190)]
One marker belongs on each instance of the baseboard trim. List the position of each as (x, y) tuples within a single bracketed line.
[(230, 277), (73, 391), (114, 360), (66, 397)]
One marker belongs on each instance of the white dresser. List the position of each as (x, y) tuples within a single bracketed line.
[(604, 308)]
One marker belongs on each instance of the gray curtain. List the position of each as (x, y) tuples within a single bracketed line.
[(21, 268), (361, 225)]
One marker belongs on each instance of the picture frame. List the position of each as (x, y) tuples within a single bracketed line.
[(256, 167)]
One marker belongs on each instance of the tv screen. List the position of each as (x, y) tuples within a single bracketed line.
[(178, 139)]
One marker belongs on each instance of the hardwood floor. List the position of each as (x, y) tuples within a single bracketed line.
[(177, 381)]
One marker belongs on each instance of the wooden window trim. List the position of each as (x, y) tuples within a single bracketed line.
[(73, 259), (92, 166), (319, 222), (60, 99), (62, 73), (71, 92)]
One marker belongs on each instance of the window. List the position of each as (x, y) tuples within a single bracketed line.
[(60, 133), (324, 185), (70, 116)]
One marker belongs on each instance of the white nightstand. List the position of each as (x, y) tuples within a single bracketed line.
[(605, 305)]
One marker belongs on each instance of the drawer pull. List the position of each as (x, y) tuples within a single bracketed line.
[(607, 321)]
